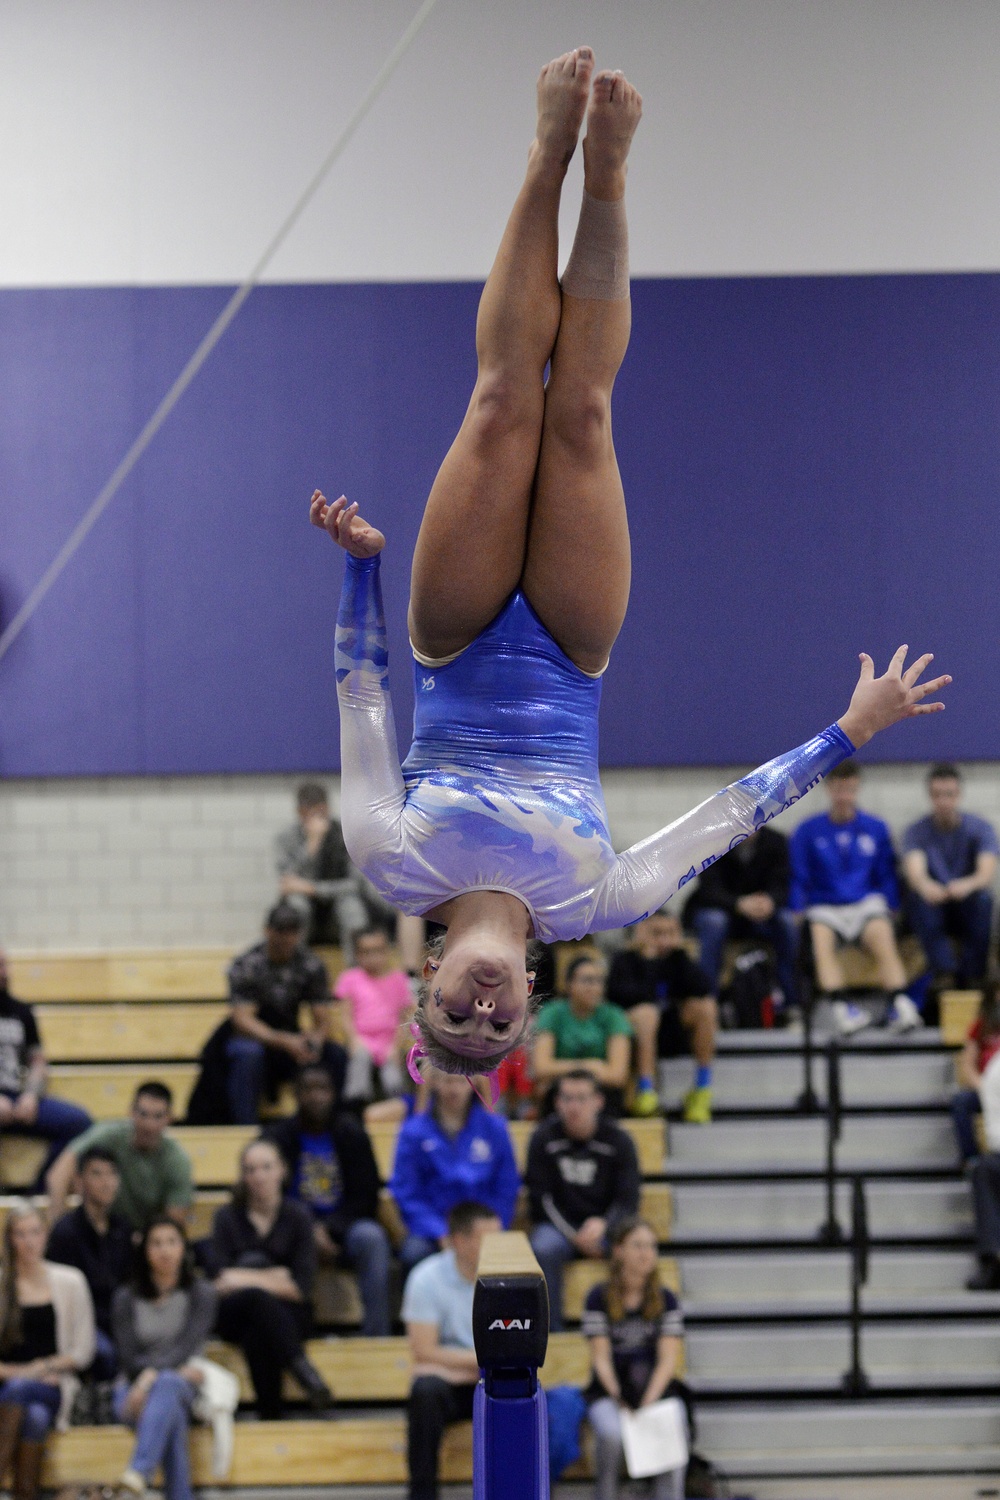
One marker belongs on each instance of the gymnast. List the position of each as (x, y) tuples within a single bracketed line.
[(495, 826)]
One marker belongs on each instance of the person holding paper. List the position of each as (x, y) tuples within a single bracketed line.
[(635, 1327)]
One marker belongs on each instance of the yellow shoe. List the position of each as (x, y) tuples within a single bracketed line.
[(645, 1103), (698, 1106)]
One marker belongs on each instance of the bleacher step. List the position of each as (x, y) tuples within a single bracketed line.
[(811, 1283), (759, 1079), (886, 1141), (782, 1356), (739, 1212)]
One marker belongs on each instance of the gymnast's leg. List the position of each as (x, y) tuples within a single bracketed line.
[(470, 551), (578, 562)]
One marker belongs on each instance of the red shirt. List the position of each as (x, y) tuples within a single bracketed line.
[(987, 1046)]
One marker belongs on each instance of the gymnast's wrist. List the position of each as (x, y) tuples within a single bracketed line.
[(360, 565), (857, 732)]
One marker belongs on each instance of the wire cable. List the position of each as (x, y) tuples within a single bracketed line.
[(101, 502)]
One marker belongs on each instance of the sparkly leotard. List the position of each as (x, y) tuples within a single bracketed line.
[(500, 790)]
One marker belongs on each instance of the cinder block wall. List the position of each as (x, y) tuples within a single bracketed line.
[(188, 861)]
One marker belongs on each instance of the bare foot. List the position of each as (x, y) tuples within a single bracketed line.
[(615, 111), (563, 88)]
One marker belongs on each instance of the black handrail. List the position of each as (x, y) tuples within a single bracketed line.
[(808, 1101), (830, 1231), (855, 1381)]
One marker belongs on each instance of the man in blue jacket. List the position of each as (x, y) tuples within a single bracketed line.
[(844, 879), (456, 1152)]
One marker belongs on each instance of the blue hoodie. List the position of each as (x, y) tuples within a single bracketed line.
[(433, 1171)]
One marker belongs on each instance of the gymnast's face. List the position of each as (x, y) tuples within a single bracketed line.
[(478, 997)]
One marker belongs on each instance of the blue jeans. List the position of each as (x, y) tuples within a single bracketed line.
[(965, 1106), (553, 1252), (414, 1249), (56, 1122), (247, 1073), (366, 1246), (40, 1403), (713, 926), (967, 922), (105, 1366), (161, 1433)]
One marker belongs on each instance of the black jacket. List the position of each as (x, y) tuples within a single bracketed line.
[(763, 866), (570, 1181), (357, 1167)]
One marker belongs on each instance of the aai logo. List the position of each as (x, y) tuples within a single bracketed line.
[(508, 1324)]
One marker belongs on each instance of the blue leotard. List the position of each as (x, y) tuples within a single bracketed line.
[(500, 790)]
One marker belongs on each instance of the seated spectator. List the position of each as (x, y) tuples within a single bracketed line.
[(46, 1342), (316, 874), (25, 1109), (583, 1031), (635, 1328), (516, 1086), (949, 861), (981, 1046), (154, 1171), (454, 1152), (261, 1045), (582, 1178), (263, 1254), (98, 1242), (844, 879), (161, 1323), (331, 1169), (375, 1001), (745, 895), (669, 1002), (437, 1311)]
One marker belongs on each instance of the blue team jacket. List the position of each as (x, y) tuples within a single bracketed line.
[(836, 864), (433, 1172)]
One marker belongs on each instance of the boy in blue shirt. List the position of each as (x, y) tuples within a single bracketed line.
[(844, 879)]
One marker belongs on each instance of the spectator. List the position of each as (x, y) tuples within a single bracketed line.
[(264, 1046), (98, 1242), (745, 895), (454, 1152), (161, 1322), (981, 1046), (25, 1109), (669, 1002), (154, 1171), (46, 1341), (316, 874), (635, 1328), (582, 1177), (331, 1169), (844, 878), (949, 860), (437, 1311), (516, 1086), (376, 1000), (263, 1254), (583, 1030)]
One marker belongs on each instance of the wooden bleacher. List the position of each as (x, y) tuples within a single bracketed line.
[(958, 1011)]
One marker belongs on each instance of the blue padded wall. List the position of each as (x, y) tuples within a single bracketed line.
[(811, 464)]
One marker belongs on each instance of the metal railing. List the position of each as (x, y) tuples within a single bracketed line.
[(830, 1231), (855, 1381)]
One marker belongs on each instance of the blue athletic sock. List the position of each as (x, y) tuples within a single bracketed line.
[(645, 1082), (703, 1076)]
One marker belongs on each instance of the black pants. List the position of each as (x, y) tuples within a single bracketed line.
[(986, 1197), (270, 1333), (433, 1404)]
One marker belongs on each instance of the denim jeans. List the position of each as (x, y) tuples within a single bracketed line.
[(553, 1252), (57, 1122), (605, 1420), (713, 926), (968, 922), (161, 1433), (40, 1402), (247, 1074), (366, 1247), (965, 1106), (414, 1249)]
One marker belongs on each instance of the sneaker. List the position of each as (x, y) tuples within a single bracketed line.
[(646, 1102), (131, 1485), (903, 1015), (698, 1107), (849, 1018)]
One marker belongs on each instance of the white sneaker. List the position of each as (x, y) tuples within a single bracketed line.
[(849, 1018), (903, 1015)]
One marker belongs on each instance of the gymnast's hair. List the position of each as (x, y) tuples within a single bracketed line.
[(442, 1056)]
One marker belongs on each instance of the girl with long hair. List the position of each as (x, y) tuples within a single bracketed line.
[(634, 1326)]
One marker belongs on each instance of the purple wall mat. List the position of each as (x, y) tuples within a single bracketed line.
[(811, 464)]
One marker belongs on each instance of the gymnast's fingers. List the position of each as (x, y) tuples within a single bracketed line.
[(895, 668), (912, 673), (924, 708), (924, 688)]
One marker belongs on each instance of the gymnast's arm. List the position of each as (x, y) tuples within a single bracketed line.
[(372, 791), (649, 873)]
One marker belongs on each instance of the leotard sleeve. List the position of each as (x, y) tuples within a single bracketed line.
[(372, 791), (649, 873)]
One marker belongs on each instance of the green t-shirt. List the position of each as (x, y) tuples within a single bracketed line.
[(578, 1037), (152, 1181)]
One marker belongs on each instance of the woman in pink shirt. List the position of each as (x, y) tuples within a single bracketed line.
[(376, 999)]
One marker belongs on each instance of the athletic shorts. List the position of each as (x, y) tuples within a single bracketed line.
[(850, 921)]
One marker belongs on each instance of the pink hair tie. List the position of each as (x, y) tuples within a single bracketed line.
[(418, 1052)]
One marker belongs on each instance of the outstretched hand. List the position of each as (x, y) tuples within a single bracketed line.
[(345, 526), (879, 702)]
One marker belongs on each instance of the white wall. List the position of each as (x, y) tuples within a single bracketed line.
[(187, 862), (163, 140)]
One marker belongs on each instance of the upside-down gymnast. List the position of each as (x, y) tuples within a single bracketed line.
[(495, 826)]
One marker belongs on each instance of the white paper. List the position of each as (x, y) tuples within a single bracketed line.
[(654, 1438)]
